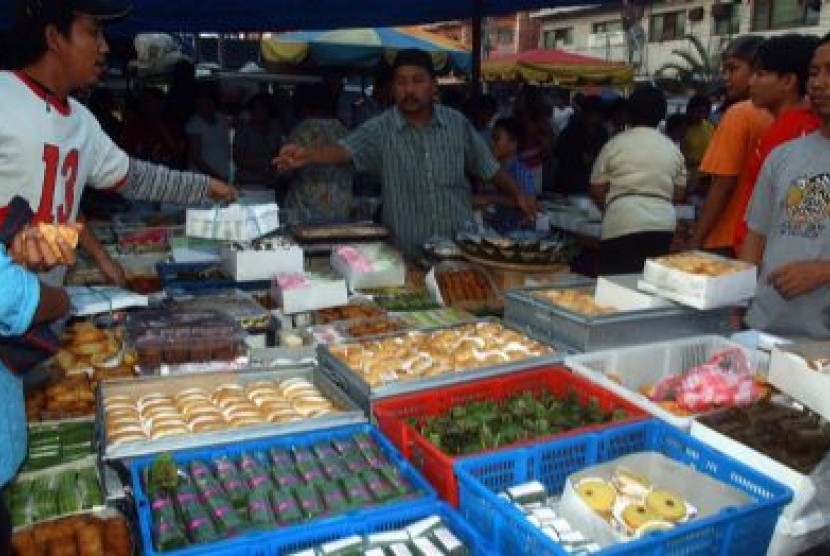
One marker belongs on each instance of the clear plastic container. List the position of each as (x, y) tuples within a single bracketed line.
[(164, 337)]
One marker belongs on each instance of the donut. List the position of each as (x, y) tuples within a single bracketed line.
[(666, 504), (598, 494), (636, 515)]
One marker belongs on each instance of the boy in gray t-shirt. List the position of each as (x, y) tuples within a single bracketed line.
[(789, 224), (790, 210)]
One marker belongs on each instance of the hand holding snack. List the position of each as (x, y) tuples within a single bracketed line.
[(45, 246)]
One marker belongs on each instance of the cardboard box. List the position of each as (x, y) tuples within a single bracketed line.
[(248, 265), (320, 292), (389, 276), (621, 291), (698, 290), (793, 372)]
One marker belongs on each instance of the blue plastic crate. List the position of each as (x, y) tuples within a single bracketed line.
[(387, 522), (745, 530), (255, 543)]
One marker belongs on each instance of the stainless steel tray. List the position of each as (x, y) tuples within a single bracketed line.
[(554, 323), (363, 394), (349, 414)]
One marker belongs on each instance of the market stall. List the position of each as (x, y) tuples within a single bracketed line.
[(317, 401), (557, 67)]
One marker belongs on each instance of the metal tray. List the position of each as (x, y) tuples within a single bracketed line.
[(363, 394), (358, 231), (350, 413), (551, 322)]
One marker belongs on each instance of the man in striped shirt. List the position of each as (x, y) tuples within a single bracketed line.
[(422, 152)]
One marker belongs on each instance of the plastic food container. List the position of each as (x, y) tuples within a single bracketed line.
[(746, 529), (625, 370), (162, 337), (392, 415)]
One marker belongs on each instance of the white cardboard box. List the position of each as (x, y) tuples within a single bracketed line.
[(322, 292), (389, 277), (790, 372), (621, 291), (248, 264), (696, 290)]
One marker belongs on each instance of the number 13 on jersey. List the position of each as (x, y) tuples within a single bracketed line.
[(57, 197)]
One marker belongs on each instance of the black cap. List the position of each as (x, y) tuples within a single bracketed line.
[(414, 57), (40, 10), (102, 9)]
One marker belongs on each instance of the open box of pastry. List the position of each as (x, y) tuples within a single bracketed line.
[(168, 341), (590, 315), (699, 279), (802, 371), (404, 362), (162, 414), (464, 286), (634, 372)]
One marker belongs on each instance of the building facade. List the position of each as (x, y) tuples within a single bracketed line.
[(500, 35), (661, 26)]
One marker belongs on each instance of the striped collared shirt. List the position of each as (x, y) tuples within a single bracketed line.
[(422, 169)]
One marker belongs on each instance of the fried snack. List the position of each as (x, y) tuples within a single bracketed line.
[(64, 546), (24, 544), (67, 232), (89, 538), (117, 538)]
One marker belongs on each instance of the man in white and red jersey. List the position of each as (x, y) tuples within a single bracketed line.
[(51, 146)]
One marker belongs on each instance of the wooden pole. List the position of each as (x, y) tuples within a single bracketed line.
[(475, 84)]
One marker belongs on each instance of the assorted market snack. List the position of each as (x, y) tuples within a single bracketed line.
[(486, 425), (164, 336), (698, 263), (795, 438), (423, 354), (80, 535), (204, 500), (430, 535), (632, 504), (56, 443), (54, 495), (61, 397), (195, 410), (84, 346), (465, 285), (725, 380), (348, 312), (578, 301)]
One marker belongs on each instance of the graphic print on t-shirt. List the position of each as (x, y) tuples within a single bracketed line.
[(807, 207)]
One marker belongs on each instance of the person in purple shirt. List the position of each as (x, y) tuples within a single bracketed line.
[(504, 216)]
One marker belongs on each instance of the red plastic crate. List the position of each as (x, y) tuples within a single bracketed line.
[(391, 415)]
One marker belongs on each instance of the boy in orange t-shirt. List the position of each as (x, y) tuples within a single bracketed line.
[(731, 147)]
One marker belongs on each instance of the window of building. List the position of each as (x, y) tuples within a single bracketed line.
[(783, 14), (504, 36), (557, 38), (607, 26), (667, 26), (726, 19)]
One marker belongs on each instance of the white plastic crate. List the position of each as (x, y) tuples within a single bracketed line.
[(638, 366)]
